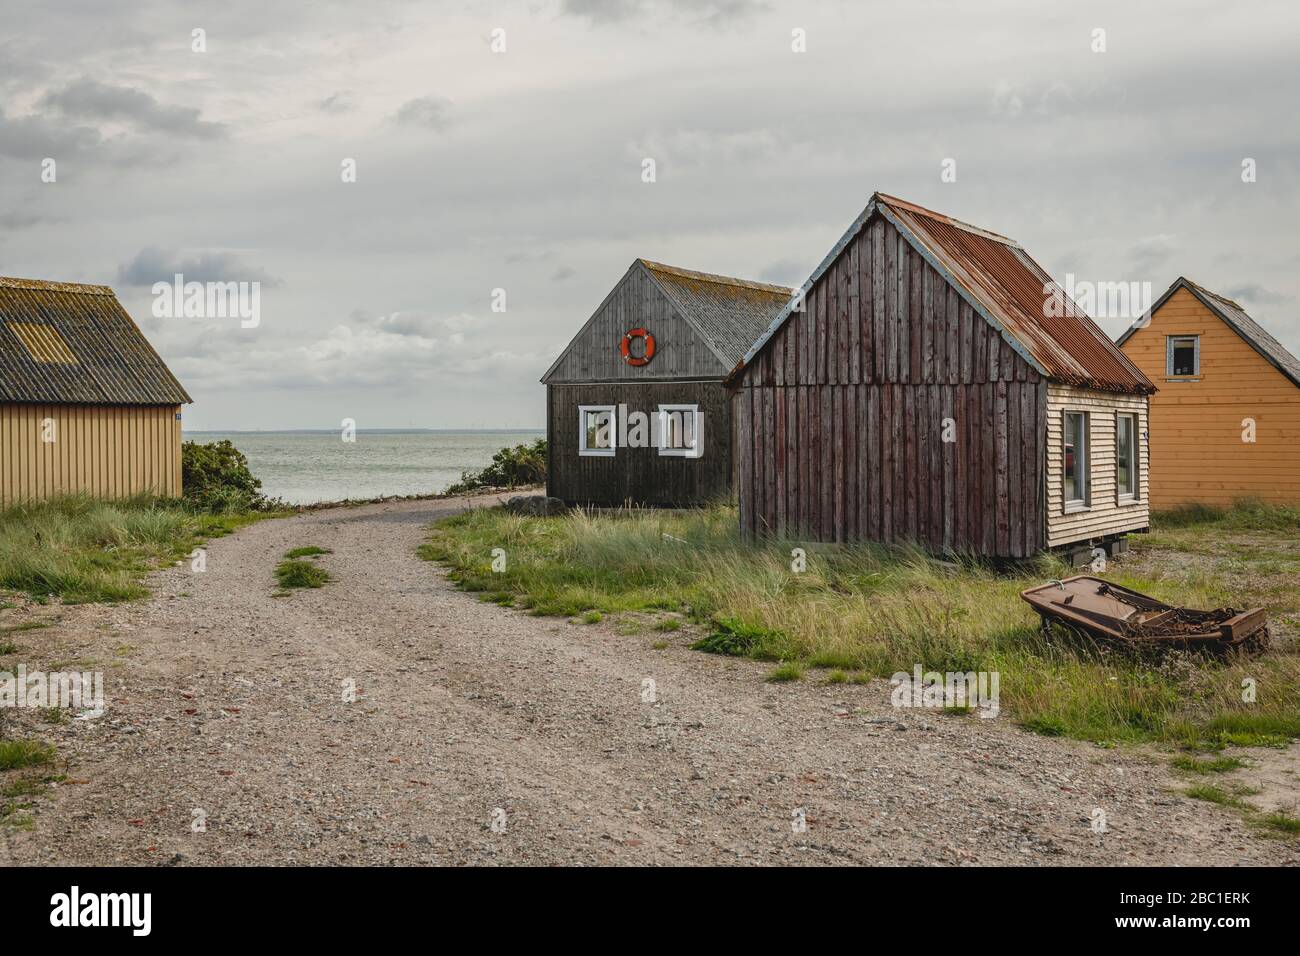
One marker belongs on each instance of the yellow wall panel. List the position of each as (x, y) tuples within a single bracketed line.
[(103, 451)]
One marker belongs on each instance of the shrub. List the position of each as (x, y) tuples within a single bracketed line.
[(510, 468), (215, 477)]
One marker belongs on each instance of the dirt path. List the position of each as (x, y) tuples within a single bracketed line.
[(226, 700)]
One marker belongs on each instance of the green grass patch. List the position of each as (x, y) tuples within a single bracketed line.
[(309, 551), (1282, 823), (300, 574), (24, 753), (668, 624), (79, 549), (592, 617), (870, 611), (1214, 765), (1215, 795), (783, 673)]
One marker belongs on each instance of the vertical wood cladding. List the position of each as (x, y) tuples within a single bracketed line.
[(890, 410), (104, 451), (639, 475)]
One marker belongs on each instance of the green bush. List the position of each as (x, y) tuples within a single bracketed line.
[(510, 468), (215, 477)]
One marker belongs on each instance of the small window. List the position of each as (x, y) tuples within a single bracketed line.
[(597, 430), (681, 431), (1076, 460), (1126, 457), (1183, 355)]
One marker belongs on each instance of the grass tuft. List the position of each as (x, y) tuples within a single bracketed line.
[(309, 551), (24, 753), (300, 574)]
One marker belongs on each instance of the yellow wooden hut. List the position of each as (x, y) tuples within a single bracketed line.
[(86, 404), (1225, 424)]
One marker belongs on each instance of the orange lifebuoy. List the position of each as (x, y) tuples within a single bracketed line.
[(626, 346)]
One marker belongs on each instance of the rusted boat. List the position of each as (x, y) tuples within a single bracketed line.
[(1112, 614)]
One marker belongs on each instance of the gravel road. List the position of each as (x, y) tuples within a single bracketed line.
[(481, 735)]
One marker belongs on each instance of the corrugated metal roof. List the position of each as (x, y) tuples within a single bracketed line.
[(1006, 287), (43, 324), (1235, 317), (729, 313)]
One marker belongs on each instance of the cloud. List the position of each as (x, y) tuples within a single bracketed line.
[(1257, 295), (35, 137), (152, 264), (89, 99), (429, 112), (717, 13), (336, 103), (1150, 252), (562, 273)]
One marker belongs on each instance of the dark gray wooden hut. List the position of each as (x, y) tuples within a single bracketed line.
[(938, 387), (636, 407)]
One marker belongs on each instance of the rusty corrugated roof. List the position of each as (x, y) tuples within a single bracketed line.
[(1006, 287), (65, 343), (729, 313)]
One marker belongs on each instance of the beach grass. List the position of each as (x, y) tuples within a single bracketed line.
[(79, 549), (868, 610)]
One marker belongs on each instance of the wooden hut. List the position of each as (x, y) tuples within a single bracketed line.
[(932, 384), (86, 404), (636, 407), (1226, 422)]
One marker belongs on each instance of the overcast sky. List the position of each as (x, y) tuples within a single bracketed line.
[(522, 170)]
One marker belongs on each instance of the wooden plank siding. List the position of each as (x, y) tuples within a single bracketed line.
[(1105, 515), (636, 301), (1197, 452), (884, 352), (639, 475), (103, 451)]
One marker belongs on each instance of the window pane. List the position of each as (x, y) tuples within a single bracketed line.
[(1182, 358), (1124, 454), (599, 434), (1076, 455)]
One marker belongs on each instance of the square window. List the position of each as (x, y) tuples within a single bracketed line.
[(1183, 355), (681, 431), (597, 430)]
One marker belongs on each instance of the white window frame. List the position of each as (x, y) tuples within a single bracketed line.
[(1169, 356), (583, 450), (694, 452), (1082, 462), (1135, 466)]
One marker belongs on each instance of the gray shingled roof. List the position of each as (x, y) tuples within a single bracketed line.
[(1235, 317), (65, 343), (729, 313)]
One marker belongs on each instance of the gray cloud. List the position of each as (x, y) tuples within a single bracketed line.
[(1257, 295), (717, 13), (336, 103), (152, 264), (35, 137), (429, 112), (88, 99)]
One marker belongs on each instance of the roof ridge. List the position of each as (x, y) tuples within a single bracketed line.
[(1212, 293), (942, 217), (45, 285), (715, 277)]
